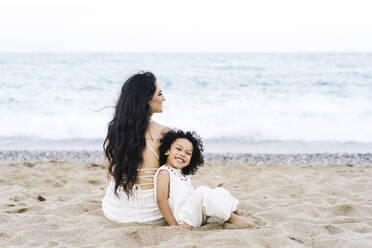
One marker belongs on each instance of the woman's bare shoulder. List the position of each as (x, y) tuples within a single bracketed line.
[(159, 128)]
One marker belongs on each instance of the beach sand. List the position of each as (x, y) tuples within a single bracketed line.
[(298, 207)]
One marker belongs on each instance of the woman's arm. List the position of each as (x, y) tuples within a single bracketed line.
[(162, 193)]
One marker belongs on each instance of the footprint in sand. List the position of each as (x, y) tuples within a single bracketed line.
[(14, 198), (58, 185), (343, 209), (17, 211), (257, 223), (363, 229), (228, 225), (28, 164), (94, 182), (333, 229)]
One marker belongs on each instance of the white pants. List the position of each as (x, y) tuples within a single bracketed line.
[(205, 202)]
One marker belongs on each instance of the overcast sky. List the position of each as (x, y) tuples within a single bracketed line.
[(186, 26)]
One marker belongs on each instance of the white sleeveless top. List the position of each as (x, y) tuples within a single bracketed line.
[(141, 207), (179, 187)]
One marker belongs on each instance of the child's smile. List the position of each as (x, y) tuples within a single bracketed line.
[(180, 153), (180, 160)]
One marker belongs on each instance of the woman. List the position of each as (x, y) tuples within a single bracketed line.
[(131, 148)]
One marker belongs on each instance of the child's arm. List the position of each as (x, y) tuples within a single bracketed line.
[(162, 193)]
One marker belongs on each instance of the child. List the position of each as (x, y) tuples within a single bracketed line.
[(181, 154)]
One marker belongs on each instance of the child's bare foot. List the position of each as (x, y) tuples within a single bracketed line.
[(234, 218), (237, 212)]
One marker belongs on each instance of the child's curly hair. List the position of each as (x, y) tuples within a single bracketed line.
[(197, 156)]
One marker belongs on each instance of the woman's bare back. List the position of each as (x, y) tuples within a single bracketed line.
[(150, 154)]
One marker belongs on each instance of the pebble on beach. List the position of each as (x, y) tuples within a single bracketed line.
[(96, 158)]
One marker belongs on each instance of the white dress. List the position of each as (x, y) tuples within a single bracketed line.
[(141, 207), (191, 206)]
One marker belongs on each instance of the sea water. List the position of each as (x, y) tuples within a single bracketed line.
[(239, 102)]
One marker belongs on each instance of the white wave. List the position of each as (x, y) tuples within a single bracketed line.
[(256, 98)]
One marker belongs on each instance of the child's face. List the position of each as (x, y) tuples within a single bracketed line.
[(180, 153)]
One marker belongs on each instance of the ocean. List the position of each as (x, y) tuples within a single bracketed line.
[(238, 102)]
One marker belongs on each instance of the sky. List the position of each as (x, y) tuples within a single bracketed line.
[(185, 26)]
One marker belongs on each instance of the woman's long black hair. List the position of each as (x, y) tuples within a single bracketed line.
[(125, 138)]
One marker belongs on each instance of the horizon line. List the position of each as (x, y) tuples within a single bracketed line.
[(190, 52)]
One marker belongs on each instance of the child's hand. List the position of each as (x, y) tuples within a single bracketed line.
[(185, 226)]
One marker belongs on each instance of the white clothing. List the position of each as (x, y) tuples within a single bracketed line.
[(179, 187), (191, 206), (141, 207), (152, 149)]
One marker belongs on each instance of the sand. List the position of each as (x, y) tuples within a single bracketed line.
[(298, 207)]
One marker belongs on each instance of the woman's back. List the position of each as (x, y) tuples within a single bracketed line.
[(150, 155), (141, 206), (131, 149)]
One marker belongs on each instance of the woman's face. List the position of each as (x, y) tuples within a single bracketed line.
[(156, 103)]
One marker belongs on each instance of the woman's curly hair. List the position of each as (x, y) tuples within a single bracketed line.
[(197, 156)]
